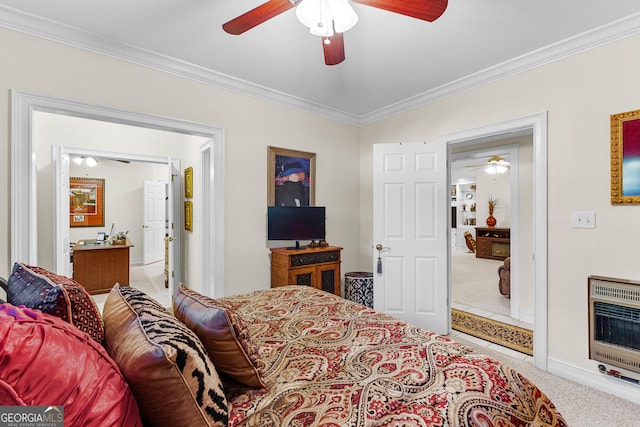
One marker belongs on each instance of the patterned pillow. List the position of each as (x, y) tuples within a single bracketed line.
[(222, 333), (45, 361), (165, 364), (57, 295)]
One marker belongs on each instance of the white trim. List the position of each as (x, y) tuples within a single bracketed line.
[(212, 191), (595, 380), (23, 163), (617, 30), (537, 123), (36, 26)]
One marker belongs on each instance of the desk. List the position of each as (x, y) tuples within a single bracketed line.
[(98, 267)]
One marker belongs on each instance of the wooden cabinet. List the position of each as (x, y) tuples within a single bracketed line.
[(493, 243), (316, 267), (98, 267)]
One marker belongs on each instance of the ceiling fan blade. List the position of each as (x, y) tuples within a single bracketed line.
[(334, 51), (257, 16), (426, 10)]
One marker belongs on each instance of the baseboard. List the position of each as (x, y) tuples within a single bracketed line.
[(595, 379)]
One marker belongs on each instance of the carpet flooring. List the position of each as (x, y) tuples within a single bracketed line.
[(474, 283)]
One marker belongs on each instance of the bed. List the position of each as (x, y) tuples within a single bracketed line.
[(327, 361)]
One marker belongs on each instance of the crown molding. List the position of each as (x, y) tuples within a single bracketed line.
[(599, 36), (55, 31), (37, 26)]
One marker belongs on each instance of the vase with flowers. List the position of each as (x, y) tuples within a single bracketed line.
[(491, 204)]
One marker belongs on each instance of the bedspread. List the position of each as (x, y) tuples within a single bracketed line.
[(330, 362)]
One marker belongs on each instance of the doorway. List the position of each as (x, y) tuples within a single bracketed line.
[(26, 197), (488, 277), (535, 126), (136, 201)]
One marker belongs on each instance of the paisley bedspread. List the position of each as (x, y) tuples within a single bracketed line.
[(330, 362)]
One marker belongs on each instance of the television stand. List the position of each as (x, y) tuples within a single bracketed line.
[(315, 267)]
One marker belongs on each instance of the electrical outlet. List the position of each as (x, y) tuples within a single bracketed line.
[(583, 219)]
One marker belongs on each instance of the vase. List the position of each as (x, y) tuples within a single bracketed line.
[(491, 221)]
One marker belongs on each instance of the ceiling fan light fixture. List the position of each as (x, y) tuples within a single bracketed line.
[(87, 161), (497, 165), (323, 16)]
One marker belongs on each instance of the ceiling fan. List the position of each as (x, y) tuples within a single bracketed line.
[(494, 165), (329, 19)]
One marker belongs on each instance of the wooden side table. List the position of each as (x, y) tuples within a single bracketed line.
[(315, 267)]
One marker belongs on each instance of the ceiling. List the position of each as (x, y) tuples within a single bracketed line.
[(393, 62)]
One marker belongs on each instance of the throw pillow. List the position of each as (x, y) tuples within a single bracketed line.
[(223, 334), (44, 361), (57, 295), (166, 366)]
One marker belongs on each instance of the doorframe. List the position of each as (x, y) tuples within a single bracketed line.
[(24, 227), (537, 124), (61, 220)]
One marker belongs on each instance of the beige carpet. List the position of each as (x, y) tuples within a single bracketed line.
[(474, 283)]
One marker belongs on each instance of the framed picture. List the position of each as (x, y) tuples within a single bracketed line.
[(188, 216), (86, 202), (188, 182), (291, 177), (625, 158)]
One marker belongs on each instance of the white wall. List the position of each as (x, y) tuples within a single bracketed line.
[(250, 125), (579, 93)]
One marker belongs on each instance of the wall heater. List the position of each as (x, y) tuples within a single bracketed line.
[(614, 322)]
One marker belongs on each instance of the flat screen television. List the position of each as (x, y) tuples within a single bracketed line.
[(295, 223)]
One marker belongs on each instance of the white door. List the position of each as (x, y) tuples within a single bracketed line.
[(153, 223), (62, 250), (410, 201), (174, 223)]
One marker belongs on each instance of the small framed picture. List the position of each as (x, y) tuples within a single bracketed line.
[(188, 216), (291, 177), (188, 182)]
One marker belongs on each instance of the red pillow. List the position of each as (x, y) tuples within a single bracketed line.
[(57, 295), (45, 361)]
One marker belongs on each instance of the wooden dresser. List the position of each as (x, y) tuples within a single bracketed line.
[(316, 267)]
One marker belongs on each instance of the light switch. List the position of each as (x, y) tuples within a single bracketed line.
[(583, 219)]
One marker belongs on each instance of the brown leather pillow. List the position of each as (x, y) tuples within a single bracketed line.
[(165, 364), (222, 333)]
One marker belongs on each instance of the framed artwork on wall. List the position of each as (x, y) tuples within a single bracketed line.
[(188, 182), (188, 216), (86, 202), (625, 158), (290, 177)]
